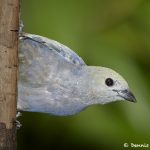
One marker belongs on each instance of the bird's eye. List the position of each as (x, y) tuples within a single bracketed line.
[(109, 82)]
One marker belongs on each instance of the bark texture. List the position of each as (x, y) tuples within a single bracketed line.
[(9, 23)]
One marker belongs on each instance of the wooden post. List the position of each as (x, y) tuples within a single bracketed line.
[(9, 23)]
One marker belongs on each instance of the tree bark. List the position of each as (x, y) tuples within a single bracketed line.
[(9, 24)]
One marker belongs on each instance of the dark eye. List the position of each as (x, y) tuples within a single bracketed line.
[(109, 82)]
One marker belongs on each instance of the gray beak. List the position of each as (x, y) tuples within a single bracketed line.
[(127, 95)]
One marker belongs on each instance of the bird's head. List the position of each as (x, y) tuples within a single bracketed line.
[(106, 86)]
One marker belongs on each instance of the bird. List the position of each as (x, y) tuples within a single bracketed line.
[(53, 79)]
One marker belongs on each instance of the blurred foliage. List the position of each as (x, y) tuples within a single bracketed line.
[(109, 33)]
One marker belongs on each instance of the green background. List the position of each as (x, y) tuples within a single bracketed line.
[(110, 33)]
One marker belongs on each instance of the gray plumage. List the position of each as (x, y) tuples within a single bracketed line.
[(53, 79)]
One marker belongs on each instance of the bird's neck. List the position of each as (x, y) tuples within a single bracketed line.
[(91, 82)]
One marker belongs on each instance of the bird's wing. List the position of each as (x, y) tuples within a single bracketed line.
[(42, 59), (47, 73), (58, 48)]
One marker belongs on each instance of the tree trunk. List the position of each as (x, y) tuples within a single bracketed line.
[(9, 23)]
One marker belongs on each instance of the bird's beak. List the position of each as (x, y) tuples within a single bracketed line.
[(127, 95)]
